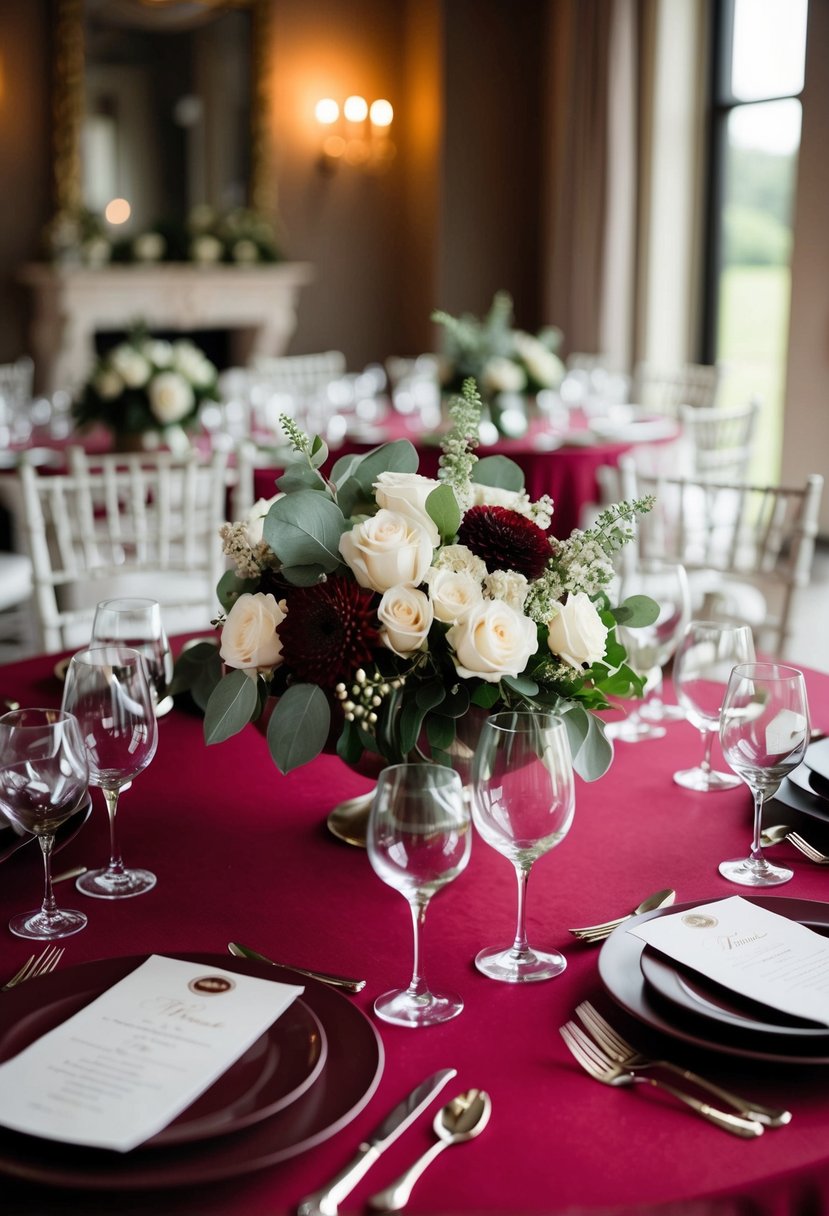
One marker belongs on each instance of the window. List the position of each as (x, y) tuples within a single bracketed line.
[(758, 77)]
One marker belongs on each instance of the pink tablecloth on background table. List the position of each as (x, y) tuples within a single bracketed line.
[(242, 853)]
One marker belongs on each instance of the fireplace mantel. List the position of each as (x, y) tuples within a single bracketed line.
[(257, 304)]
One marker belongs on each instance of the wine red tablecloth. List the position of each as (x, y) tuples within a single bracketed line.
[(242, 853)]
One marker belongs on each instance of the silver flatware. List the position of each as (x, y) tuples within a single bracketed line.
[(599, 1066), (325, 1202), (45, 962), (623, 1052), (325, 977), (780, 832), (462, 1119), (67, 874), (597, 933)]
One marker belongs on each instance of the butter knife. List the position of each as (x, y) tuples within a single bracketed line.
[(336, 981), (324, 1202)]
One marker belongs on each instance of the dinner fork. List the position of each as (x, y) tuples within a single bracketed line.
[(808, 850), (599, 1066), (45, 962), (610, 1041)]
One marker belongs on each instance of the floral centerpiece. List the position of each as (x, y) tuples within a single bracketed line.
[(78, 235), (146, 385), (379, 607)]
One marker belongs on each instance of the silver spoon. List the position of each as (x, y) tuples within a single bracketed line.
[(461, 1119), (775, 834)]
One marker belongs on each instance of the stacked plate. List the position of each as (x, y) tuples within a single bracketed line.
[(13, 838), (307, 1077), (679, 1002), (806, 789)]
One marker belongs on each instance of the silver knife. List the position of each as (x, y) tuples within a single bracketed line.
[(325, 1201), (325, 977)]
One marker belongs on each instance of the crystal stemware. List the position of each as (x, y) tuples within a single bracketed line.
[(764, 731), (523, 801), (419, 839), (137, 623), (702, 667), (108, 690), (44, 777)]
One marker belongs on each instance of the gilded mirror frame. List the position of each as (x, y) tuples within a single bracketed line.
[(68, 93)]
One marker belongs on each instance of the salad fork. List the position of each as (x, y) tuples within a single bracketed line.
[(624, 1053), (45, 962), (609, 1072), (808, 850)]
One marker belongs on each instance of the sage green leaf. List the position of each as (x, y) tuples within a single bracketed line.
[(636, 612), (440, 731), (442, 508), (485, 695), (411, 720), (521, 684), (349, 745), (592, 751), (304, 529), (354, 500), (303, 576), (192, 665), (231, 706), (299, 726), (299, 476), (499, 471), (399, 456), (430, 695), (319, 451), (230, 586)]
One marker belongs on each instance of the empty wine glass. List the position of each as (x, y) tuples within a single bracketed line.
[(702, 667), (108, 690), (650, 647), (523, 800), (419, 839), (764, 731), (44, 777), (137, 623)]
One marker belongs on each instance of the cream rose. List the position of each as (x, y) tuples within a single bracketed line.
[(386, 550), (406, 616), (131, 366), (255, 518), (576, 634), (108, 384), (501, 375), (171, 397), (492, 642), (544, 367), (494, 496), (453, 593), (406, 493), (249, 638)]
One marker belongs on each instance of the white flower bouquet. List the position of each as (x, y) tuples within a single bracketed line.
[(378, 607)]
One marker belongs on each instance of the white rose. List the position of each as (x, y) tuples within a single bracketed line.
[(108, 384), (501, 375), (131, 366), (255, 518), (387, 549), (494, 496), (406, 493), (171, 397), (249, 638), (453, 593), (206, 249), (544, 367), (406, 616), (576, 634), (192, 363), (492, 642), (159, 352), (149, 247)]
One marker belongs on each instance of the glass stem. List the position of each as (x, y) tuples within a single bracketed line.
[(520, 947), (49, 907), (116, 865), (756, 849), (707, 743), (417, 984)]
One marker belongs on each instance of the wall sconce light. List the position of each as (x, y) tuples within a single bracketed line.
[(355, 133)]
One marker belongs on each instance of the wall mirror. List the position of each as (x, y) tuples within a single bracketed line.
[(160, 102)]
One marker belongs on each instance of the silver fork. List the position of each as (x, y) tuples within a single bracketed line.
[(45, 962), (594, 1062), (610, 1041), (808, 850)]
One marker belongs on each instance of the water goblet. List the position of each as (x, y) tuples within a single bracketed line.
[(44, 777), (702, 667), (137, 623), (419, 839), (523, 800), (764, 731), (650, 647), (108, 690)]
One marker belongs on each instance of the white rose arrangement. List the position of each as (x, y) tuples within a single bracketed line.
[(369, 603)]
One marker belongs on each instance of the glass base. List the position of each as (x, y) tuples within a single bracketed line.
[(660, 712), (402, 1008), (633, 730), (100, 884), (751, 872), (707, 781), (513, 968), (43, 928)]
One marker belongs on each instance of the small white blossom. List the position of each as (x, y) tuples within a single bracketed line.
[(509, 586), (460, 560)]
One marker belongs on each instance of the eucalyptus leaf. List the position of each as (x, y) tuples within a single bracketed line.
[(231, 706), (592, 751), (319, 452), (442, 508), (500, 472), (636, 612), (299, 476), (304, 529), (399, 456), (195, 666), (440, 731), (299, 725), (485, 695), (303, 576), (411, 720), (430, 695), (521, 684), (230, 586)]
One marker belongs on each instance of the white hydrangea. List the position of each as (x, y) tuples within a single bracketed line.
[(509, 586), (460, 560)]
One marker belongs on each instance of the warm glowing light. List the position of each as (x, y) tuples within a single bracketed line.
[(333, 145), (355, 109), (117, 211), (327, 111), (381, 113)]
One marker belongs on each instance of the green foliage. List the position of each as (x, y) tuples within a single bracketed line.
[(754, 238), (500, 472), (443, 510), (304, 530), (232, 704), (299, 726)]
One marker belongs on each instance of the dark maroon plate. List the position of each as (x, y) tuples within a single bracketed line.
[(811, 782), (790, 795), (11, 841), (817, 758), (351, 1074), (621, 974)]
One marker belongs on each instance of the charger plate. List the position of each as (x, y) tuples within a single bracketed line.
[(342, 1087), (11, 840)]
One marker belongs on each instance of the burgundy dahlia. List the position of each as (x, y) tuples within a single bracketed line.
[(329, 631), (505, 540)]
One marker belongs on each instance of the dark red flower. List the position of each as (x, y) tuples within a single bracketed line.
[(505, 540), (329, 631)]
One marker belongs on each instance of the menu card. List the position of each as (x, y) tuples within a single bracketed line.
[(122, 1068), (755, 952)]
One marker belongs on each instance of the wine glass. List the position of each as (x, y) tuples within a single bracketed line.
[(419, 839), (702, 667), (764, 731), (137, 623), (44, 778), (523, 799), (107, 688), (649, 647)]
